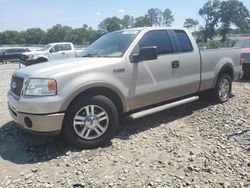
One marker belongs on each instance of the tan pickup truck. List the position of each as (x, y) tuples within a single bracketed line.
[(133, 73)]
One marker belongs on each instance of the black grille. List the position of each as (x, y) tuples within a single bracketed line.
[(16, 85)]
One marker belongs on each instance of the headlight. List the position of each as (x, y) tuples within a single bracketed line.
[(41, 87), (33, 56)]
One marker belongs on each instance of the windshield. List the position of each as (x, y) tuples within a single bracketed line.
[(45, 48), (111, 45), (243, 44)]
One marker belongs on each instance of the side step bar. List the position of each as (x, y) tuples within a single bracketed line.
[(140, 114)]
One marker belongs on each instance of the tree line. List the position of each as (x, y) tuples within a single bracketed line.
[(219, 17), (57, 33)]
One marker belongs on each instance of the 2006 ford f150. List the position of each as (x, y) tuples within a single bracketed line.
[(133, 72)]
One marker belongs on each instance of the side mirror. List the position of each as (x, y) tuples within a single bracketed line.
[(145, 54), (52, 50)]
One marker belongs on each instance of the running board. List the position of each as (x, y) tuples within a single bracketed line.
[(140, 114)]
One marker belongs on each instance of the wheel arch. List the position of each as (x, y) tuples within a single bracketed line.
[(226, 68), (106, 90), (42, 58)]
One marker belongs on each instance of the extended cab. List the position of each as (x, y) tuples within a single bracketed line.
[(52, 51), (133, 73)]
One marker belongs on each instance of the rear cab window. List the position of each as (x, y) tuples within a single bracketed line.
[(183, 41), (66, 47)]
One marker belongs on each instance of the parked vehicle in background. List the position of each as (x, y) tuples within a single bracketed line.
[(52, 51), (133, 72), (245, 58), (12, 54)]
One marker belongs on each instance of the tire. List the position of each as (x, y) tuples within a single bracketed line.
[(90, 122), (223, 88)]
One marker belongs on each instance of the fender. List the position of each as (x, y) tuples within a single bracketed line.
[(35, 57), (93, 85), (223, 67)]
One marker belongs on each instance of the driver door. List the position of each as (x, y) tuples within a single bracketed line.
[(56, 52), (154, 81)]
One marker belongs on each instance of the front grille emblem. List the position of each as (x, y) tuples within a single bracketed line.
[(13, 85)]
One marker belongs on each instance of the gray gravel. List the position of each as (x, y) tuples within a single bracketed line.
[(182, 147)]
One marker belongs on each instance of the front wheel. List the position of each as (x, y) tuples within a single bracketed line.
[(223, 88), (91, 121)]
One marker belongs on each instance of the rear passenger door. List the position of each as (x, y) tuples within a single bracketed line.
[(190, 64), (157, 80)]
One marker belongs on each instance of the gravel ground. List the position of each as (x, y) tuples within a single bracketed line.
[(182, 147)]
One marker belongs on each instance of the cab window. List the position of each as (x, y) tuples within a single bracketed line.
[(56, 48), (160, 39), (66, 47), (184, 41)]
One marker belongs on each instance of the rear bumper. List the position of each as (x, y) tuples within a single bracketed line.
[(246, 69), (241, 75)]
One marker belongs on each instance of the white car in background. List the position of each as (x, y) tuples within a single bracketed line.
[(52, 51)]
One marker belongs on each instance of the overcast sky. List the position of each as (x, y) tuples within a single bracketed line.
[(22, 14)]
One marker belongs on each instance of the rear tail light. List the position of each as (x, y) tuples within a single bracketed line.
[(241, 59)]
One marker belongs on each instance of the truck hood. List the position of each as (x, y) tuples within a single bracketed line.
[(55, 68)]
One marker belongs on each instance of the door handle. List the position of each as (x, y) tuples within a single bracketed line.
[(175, 64), (63, 53)]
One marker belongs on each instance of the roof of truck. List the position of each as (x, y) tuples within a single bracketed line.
[(61, 43), (145, 28)]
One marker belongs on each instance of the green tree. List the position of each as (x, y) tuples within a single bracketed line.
[(127, 21), (191, 24), (210, 13), (168, 17), (1, 38), (232, 12), (77, 36), (93, 35), (142, 21), (57, 33), (110, 24), (155, 16), (33, 36), (10, 37)]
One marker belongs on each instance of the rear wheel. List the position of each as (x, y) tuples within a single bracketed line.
[(91, 121), (222, 91)]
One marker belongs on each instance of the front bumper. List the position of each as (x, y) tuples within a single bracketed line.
[(36, 114), (42, 123)]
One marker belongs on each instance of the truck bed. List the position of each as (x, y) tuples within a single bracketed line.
[(213, 60)]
